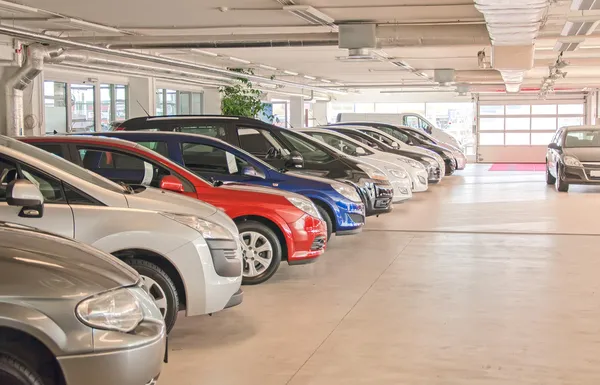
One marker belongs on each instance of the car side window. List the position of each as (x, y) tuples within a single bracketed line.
[(50, 187), (258, 141), (210, 129), (55, 149), (8, 173), (160, 147), (202, 158), (310, 151), (395, 133), (412, 121)]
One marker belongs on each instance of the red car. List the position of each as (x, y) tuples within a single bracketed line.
[(274, 225)]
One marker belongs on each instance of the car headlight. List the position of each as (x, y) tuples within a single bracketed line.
[(412, 163), (572, 161), (347, 191), (397, 173), (209, 230), (448, 154), (432, 162), (372, 172), (116, 310), (305, 205)]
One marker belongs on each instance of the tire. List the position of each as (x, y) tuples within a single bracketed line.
[(550, 180), (450, 168), (327, 220), (561, 185), (255, 235), (165, 295), (13, 372)]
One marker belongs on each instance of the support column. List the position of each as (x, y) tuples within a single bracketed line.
[(319, 110), (296, 112), (211, 102), (142, 96)]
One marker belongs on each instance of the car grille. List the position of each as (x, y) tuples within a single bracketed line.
[(382, 203), (357, 218), (318, 244)]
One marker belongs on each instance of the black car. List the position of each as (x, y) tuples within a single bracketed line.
[(408, 136), (282, 148), (573, 157), (429, 162)]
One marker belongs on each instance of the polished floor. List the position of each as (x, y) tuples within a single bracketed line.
[(489, 278)]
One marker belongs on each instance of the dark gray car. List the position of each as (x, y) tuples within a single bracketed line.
[(70, 314)]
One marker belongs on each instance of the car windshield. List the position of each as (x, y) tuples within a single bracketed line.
[(582, 138), (311, 149), (62, 164), (339, 143)]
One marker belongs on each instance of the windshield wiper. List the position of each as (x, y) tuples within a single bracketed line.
[(127, 188)]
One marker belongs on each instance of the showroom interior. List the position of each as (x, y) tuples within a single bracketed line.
[(411, 199)]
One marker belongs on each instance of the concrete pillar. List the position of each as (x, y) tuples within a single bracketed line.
[(142, 96), (296, 112), (212, 102), (319, 111)]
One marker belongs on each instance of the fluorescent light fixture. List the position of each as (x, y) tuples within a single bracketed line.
[(579, 28), (585, 5), (326, 81), (7, 6), (291, 73), (339, 84), (85, 25), (267, 67), (310, 15), (565, 46), (512, 88), (202, 52), (310, 77), (244, 61)]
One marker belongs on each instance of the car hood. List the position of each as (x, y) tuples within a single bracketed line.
[(315, 181), (258, 189), (42, 265), (166, 201), (584, 154)]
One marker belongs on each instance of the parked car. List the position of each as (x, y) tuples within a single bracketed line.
[(573, 157), (408, 119), (412, 159), (273, 225), (282, 148), (187, 252), (338, 203), (73, 315), (397, 173), (407, 137)]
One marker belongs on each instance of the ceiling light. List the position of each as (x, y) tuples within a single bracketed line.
[(244, 61), (310, 15), (585, 5), (202, 52), (310, 77), (565, 46), (267, 67), (85, 25), (326, 81), (291, 73), (7, 6), (579, 28)]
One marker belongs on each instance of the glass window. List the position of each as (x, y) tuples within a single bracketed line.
[(386, 108), (55, 149), (411, 121), (519, 109), (197, 103), (208, 129), (259, 142), (517, 139), (417, 108), (55, 107), (170, 102), (82, 108), (120, 101), (280, 114), (543, 109), (106, 102), (491, 124), (160, 102), (185, 100), (365, 108), (309, 150), (541, 138), (208, 159), (564, 122), (547, 124), (491, 139), (582, 138), (8, 173), (160, 147), (515, 124), (341, 144), (491, 110), (570, 109), (457, 120), (50, 187)]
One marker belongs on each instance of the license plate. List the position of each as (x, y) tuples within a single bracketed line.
[(595, 173)]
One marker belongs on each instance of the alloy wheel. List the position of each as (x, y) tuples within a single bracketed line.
[(156, 292), (257, 253)]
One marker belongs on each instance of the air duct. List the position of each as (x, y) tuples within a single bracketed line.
[(16, 84), (513, 26)]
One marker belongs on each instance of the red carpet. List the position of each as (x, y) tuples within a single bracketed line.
[(518, 167)]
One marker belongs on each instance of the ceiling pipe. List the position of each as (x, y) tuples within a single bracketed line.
[(228, 44), (28, 35)]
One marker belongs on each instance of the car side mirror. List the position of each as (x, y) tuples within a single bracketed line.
[(554, 146), (171, 183), (252, 172), (360, 151), (23, 193), (395, 145), (294, 160)]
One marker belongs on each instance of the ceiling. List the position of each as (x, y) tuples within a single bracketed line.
[(424, 35)]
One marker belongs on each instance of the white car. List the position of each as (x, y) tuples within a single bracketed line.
[(417, 172), (397, 174)]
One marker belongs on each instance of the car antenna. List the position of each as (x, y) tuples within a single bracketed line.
[(142, 107)]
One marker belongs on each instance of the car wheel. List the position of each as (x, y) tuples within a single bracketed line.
[(549, 178), (261, 252), (161, 288), (327, 220), (560, 184), (13, 372)]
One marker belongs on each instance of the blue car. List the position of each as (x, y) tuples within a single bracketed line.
[(338, 203)]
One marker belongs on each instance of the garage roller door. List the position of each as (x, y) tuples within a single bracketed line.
[(518, 130)]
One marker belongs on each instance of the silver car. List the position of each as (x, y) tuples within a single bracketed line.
[(72, 315), (187, 252)]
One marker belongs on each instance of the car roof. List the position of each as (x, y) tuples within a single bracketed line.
[(586, 127), (159, 134), (79, 138)]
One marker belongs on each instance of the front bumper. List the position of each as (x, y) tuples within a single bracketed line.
[(434, 174), (402, 190), (137, 361), (461, 161), (377, 197), (349, 218), (235, 299), (309, 236), (582, 175)]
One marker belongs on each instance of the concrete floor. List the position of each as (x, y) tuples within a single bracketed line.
[(486, 278)]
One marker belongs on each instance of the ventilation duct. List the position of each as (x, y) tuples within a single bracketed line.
[(513, 26), (359, 40)]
